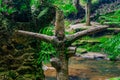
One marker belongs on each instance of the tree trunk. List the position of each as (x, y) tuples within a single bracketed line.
[(80, 11), (62, 73), (62, 68), (61, 65), (88, 5), (76, 3), (62, 44)]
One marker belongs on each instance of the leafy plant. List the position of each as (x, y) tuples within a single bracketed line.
[(42, 13), (47, 49), (118, 78), (12, 74), (66, 6), (83, 2), (112, 47), (113, 17), (15, 6), (7, 9), (36, 3), (67, 23)]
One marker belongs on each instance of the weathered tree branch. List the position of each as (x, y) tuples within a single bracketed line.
[(71, 51), (56, 63), (43, 37), (72, 38)]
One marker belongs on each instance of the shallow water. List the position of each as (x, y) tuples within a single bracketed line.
[(81, 69)]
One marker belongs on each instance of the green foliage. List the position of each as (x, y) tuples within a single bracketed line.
[(67, 23), (47, 30), (0, 2), (36, 3), (112, 47), (66, 6), (91, 47), (118, 78), (12, 74), (14, 6), (23, 5), (47, 49), (83, 2), (113, 17), (6, 8), (92, 43), (46, 52), (103, 44), (42, 13)]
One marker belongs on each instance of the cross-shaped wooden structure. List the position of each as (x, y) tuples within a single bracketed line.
[(62, 44)]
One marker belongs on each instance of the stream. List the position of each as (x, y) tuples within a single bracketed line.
[(84, 69)]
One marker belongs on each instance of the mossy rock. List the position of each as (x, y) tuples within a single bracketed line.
[(84, 42), (28, 75), (81, 50), (25, 70), (16, 50), (12, 74), (14, 66), (20, 78)]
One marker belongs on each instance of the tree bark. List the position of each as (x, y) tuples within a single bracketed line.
[(61, 43), (61, 65), (73, 37), (59, 25), (62, 72), (88, 11), (76, 3), (43, 37)]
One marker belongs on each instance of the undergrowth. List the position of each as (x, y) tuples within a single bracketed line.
[(47, 49), (112, 47), (112, 18)]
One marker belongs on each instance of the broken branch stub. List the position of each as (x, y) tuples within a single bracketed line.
[(56, 63), (71, 51)]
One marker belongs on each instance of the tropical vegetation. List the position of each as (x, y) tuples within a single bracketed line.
[(46, 19)]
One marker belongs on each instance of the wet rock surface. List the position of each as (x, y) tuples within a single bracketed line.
[(94, 55)]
